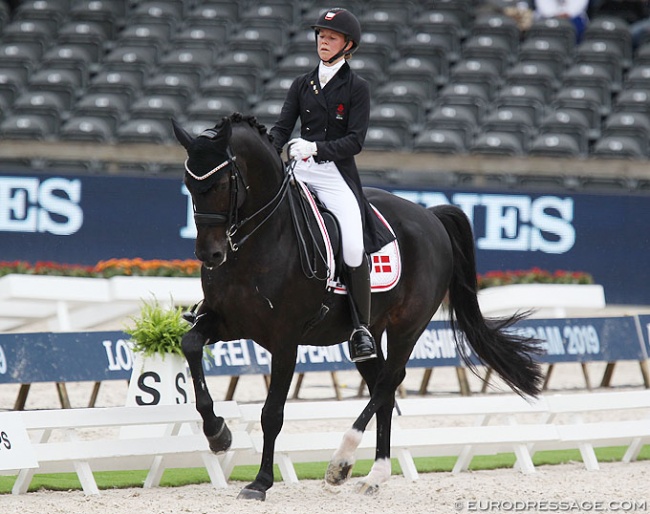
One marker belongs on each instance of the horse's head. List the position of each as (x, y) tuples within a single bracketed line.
[(216, 186), (216, 177)]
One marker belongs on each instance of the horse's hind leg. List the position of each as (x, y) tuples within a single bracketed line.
[(384, 391), (340, 466), (214, 427), (383, 379)]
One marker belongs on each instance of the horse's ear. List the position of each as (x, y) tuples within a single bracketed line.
[(184, 138), (226, 129)]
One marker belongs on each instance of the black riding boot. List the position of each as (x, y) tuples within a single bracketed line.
[(357, 281)]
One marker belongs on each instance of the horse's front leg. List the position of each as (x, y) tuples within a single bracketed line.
[(282, 368), (214, 427)]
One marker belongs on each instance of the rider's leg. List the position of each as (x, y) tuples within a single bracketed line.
[(333, 191), (357, 280)]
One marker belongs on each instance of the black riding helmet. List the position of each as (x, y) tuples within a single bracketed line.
[(343, 21)]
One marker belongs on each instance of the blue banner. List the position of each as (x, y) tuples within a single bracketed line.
[(586, 339), (82, 220), (64, 357), (562, 340), (644, 327), (85, 219), (97, 356)]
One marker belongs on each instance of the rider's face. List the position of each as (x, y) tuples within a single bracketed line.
[(329, 43)]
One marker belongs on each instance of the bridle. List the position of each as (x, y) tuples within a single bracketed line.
[(231, 217)]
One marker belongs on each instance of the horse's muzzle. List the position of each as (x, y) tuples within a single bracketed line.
[(212, 260)]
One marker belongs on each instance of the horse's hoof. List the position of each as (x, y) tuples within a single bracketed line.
[(367, 489), (338, 473), (221, 441), (251, 494)]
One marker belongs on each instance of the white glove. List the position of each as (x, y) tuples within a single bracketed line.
[(300, 148)]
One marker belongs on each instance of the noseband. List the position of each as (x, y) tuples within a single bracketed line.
[(231, 218)]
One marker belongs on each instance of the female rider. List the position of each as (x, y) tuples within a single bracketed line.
[(333, 104)]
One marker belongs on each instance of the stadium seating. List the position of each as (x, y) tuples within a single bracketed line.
[(447, 141), (87, 128), (29, 31), (239, 89), (12, 82), (153, 35), (110, 14), (569, 122), (530, 98), (615, 30), (547, 50), (460, 118), (101, 64), (534, 73), (511, 120), (606, 53), (634, 125), (26, 126), (618, 147), (110, 107), (555, 145), (145, 131), (633, 99), (594, 77), (44, 103), (210, 109), (474, 95), (497, 143), (584, 100), (499, 25), (560, 29), (89, 35), (385, 138), (441, 24)]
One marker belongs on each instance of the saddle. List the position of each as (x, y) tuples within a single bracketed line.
[(386, 263), (333, 230)]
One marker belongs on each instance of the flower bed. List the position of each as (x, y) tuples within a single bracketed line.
[(532, 276), (107, 269), (192, 268)]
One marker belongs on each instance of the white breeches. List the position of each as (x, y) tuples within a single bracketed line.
[(326, 181)]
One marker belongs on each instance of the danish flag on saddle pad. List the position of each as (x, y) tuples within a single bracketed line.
[(386, 263)]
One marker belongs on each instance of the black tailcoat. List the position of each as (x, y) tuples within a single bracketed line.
[(336, 119)]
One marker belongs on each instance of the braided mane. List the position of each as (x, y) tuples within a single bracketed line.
[(238, 117)]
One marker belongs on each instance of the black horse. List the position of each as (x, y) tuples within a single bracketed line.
[(263, 280)]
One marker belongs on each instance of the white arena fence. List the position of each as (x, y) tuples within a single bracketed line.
[(51, 441), (56, 440)]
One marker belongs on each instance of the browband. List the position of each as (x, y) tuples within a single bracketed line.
[(214, 170)]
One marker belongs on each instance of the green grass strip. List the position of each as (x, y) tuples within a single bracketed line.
[(306, 471)]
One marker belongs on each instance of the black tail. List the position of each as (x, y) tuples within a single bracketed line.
[(509, 355)]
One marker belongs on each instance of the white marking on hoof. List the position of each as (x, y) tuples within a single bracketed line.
[(340, 467), (380, 473)]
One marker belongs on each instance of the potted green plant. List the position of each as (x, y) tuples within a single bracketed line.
[(158, 330), (159, 375)]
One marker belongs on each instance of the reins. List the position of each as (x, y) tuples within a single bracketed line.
[(232, 217), (298, 208), (277, 200), (309, 269)]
